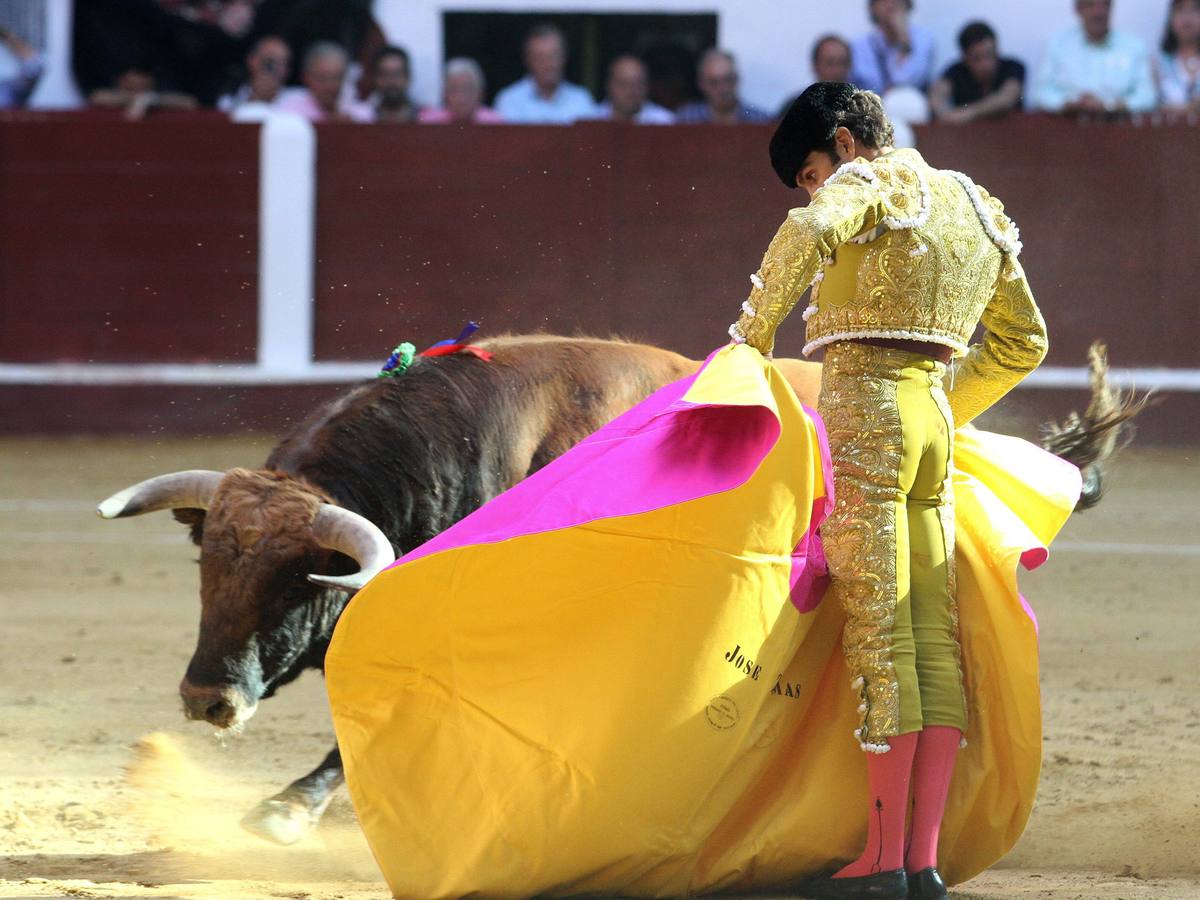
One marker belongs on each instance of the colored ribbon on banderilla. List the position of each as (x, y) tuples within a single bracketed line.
[(404, 353)]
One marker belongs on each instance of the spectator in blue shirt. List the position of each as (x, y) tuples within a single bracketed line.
[(542, 96), (15, 91), (717, 77), (628, 87), (981, 84), (896, 53), (1091, 69)]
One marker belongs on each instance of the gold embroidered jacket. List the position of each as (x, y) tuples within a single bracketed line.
[(893, 248)]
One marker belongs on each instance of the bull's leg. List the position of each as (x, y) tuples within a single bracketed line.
[(295, 811)]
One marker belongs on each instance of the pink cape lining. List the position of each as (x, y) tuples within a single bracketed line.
[(664, 451)]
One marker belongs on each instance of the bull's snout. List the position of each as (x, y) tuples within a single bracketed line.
[(219, 705)]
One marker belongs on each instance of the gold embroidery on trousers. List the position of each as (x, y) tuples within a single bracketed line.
[(862, 419)]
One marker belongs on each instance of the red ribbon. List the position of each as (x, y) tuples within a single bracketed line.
[(447, 349)]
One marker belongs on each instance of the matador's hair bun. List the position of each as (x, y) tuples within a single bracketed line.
[(816, 114)]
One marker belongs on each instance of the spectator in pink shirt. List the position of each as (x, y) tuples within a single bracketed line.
[(462, 96), (321, 99)]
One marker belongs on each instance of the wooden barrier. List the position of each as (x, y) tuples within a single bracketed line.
[(652, 232), (127, 241), (137, 242)]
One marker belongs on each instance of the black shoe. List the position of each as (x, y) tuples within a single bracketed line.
[(926, 885), (890, 885)]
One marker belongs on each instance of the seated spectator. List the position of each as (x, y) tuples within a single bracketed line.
[(1091, 69), (672, 71), (628, 86), (896, 53), (831, 59), (1178, 65), (542, 97), (462, 96), (136, 92), (321, 99), (15, 90), (981, 84), (830, 62), (392, 76), (717, 76), (267, 68)]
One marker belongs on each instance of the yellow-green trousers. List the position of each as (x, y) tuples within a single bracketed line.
[(890, 539)]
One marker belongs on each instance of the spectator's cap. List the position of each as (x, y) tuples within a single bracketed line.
[(808, 125)]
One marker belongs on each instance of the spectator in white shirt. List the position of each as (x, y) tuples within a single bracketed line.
[(267, 67), (321, 99), (542, 96), (1090, 69), (628, 86)]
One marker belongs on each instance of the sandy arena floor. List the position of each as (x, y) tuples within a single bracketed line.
[(99, 620)]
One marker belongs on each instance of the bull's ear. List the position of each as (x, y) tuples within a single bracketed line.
[(194, 519)]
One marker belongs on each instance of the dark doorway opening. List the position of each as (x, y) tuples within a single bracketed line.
[(669, 45)]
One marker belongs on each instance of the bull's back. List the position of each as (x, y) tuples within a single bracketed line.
[(568, 388)]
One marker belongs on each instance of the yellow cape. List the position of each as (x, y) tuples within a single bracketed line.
[(632, 704)]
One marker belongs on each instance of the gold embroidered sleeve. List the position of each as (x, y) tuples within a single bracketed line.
[(807, 237), (1013, 345)]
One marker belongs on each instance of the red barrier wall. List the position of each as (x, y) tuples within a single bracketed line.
[(649, 232), (128, 241), (137, 242), (652, 232)]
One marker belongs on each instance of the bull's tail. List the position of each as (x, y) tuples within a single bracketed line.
[(1090, 440)]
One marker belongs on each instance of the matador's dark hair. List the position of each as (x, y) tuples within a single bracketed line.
[(816, 114)]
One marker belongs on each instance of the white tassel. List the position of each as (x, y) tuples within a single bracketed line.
[(862, 170), (809, 312), (748, 309), (757, 281), (738, 337), (1011, 245)]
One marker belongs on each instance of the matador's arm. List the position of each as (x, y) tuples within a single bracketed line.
[(1014, 344), (846, 205)]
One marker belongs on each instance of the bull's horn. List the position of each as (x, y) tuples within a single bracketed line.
[(357, 537), (192, 489)]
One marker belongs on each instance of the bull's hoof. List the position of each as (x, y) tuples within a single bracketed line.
[(279, 821)]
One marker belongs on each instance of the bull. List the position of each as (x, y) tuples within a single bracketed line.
[(386, 466)]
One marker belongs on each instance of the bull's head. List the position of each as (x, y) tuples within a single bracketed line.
[(264, 537)]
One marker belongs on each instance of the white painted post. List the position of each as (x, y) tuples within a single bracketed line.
[(287, 175), (56, 88)]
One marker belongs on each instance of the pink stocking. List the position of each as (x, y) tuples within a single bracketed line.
[(932, 768), (888, 774)]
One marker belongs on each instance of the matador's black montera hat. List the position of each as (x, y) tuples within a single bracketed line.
[(808, 125)]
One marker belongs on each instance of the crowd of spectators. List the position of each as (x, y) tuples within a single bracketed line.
[(1088, 69)]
